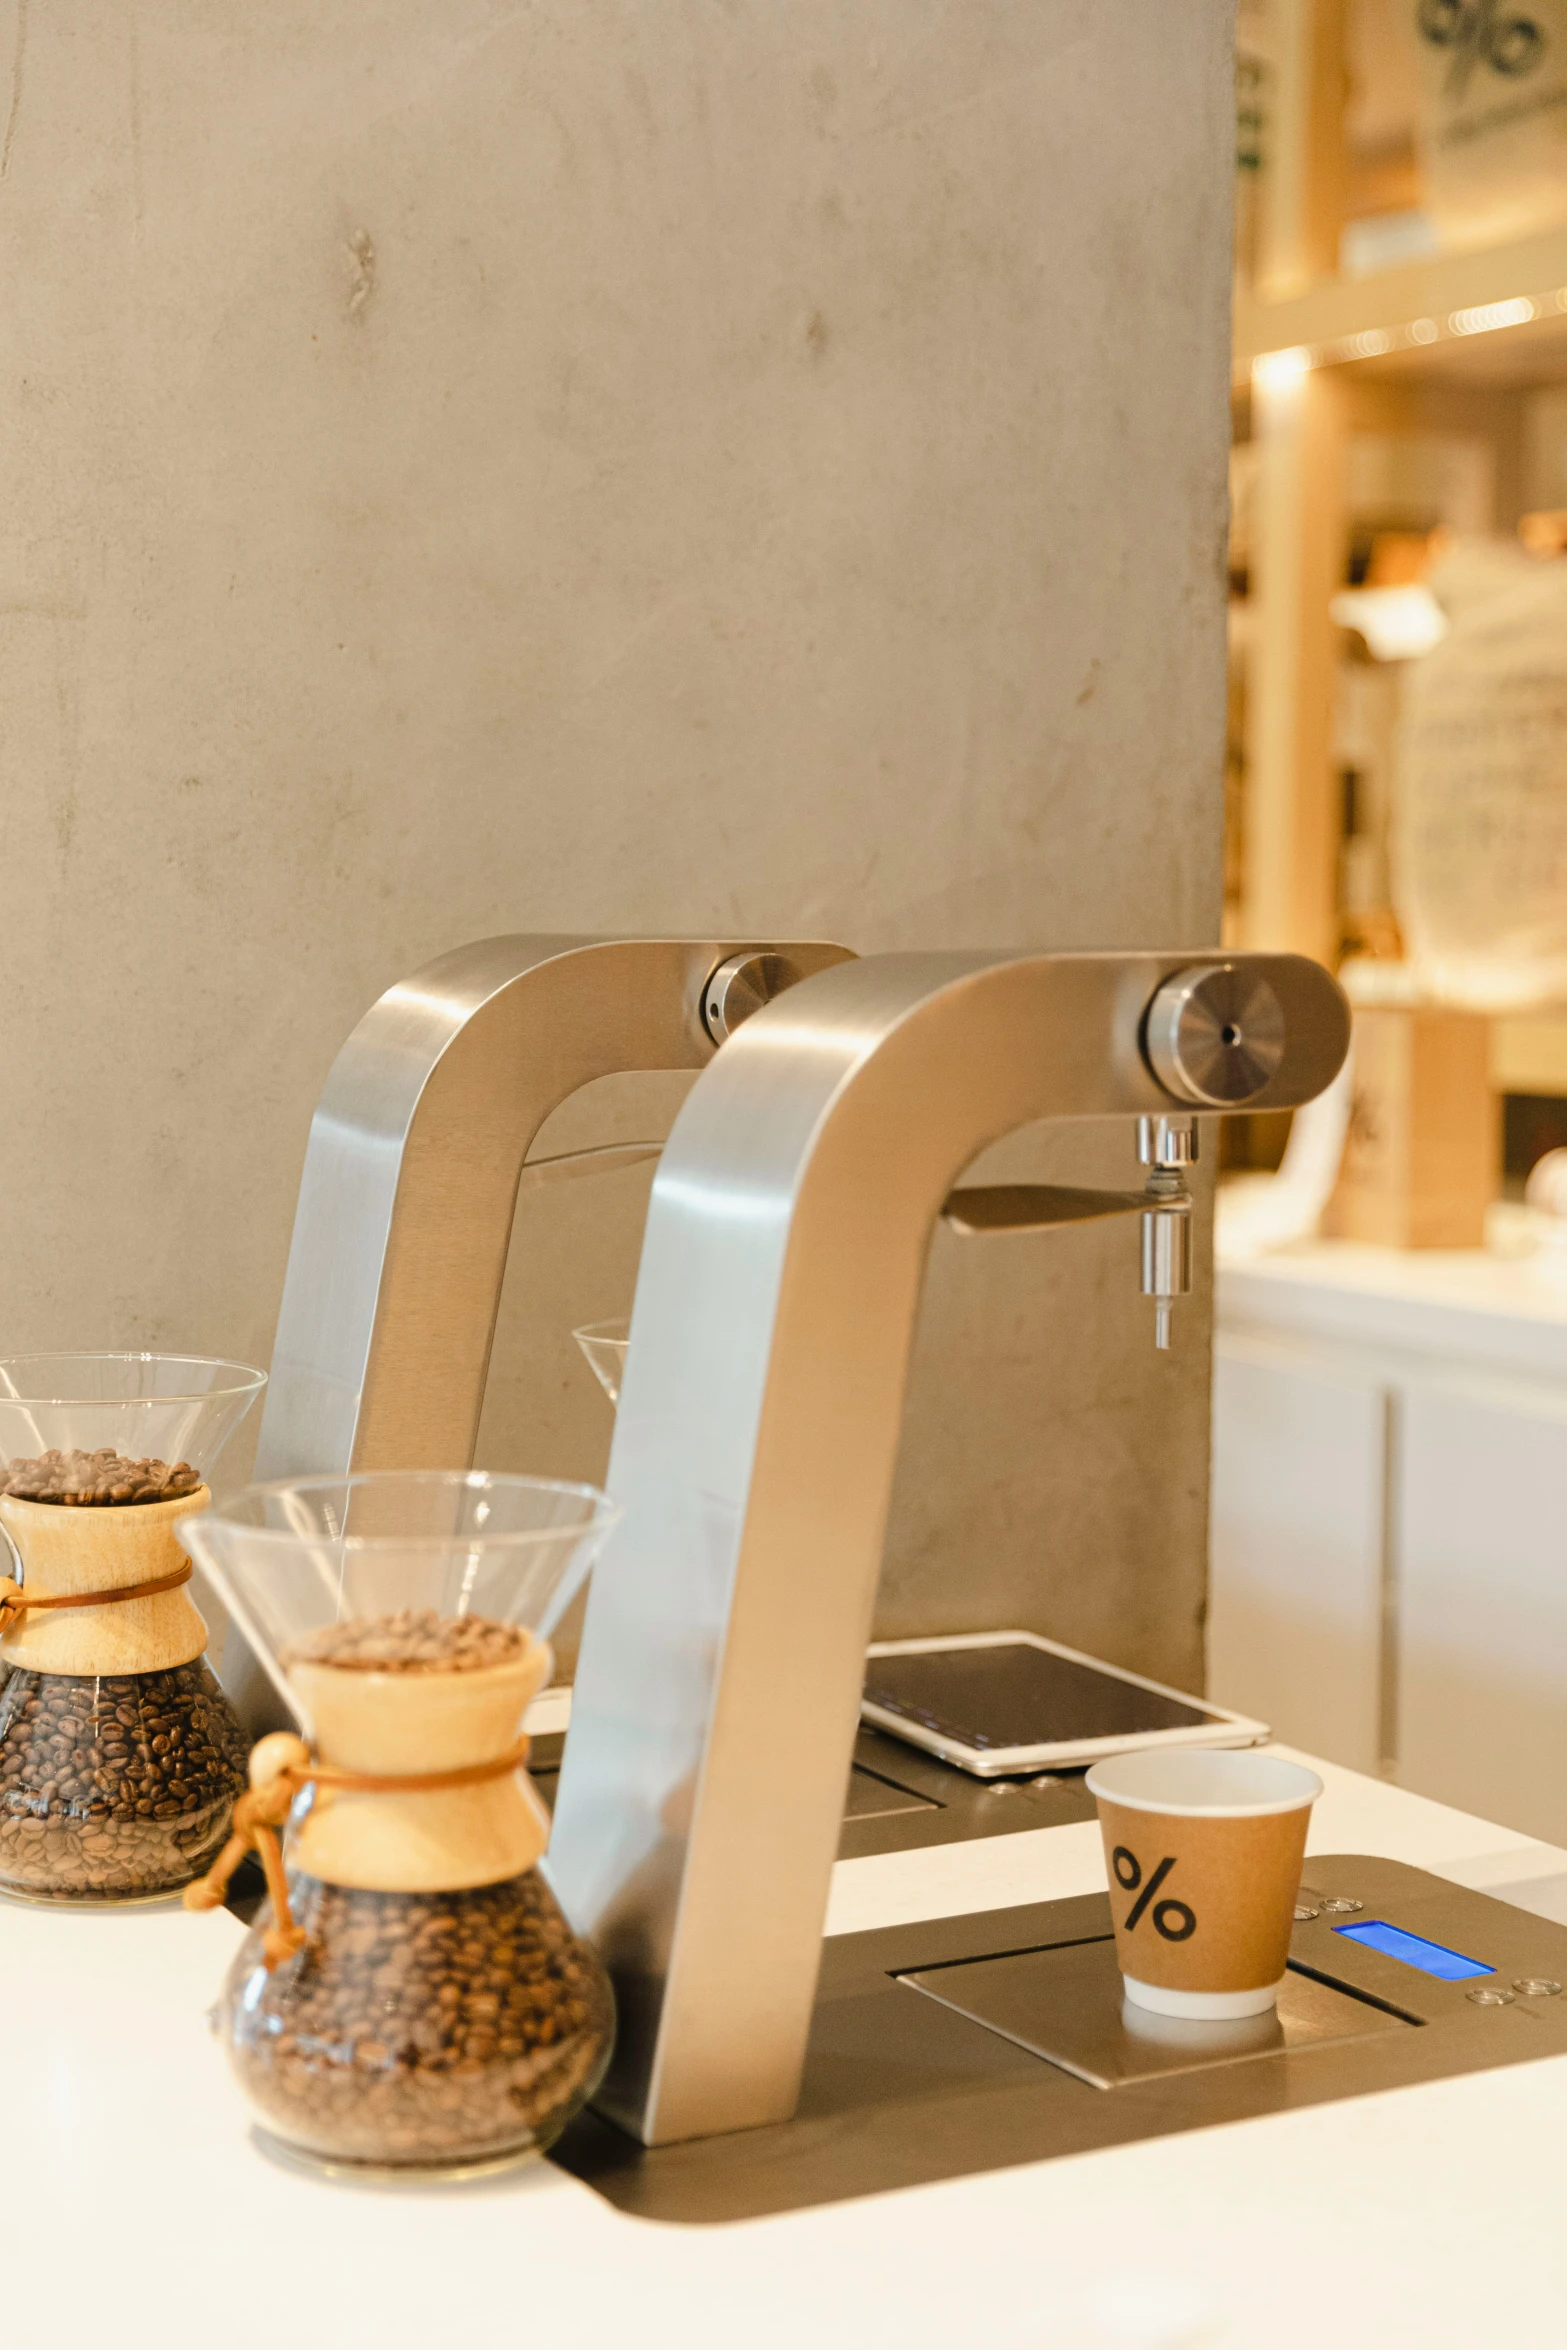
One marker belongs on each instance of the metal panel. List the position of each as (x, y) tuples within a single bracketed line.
[(405, 1210), (900, 2091), (899, 1800), (1066, 2006), (410, 1181)]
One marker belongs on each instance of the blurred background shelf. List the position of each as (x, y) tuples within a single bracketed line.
[(1389, 1546), (1354, 441), (1459, 303)]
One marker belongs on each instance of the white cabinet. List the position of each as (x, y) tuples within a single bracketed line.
[(1295, 1605), (1389, 1520), (1480, 1494)]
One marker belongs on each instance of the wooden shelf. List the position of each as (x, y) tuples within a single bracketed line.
[(1452, 345), (1335, 314)]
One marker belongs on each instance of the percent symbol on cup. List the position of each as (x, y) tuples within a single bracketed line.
[(1171, 1919)]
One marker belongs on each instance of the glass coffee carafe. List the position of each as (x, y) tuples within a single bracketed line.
[(120, 1756), (410, 1997)]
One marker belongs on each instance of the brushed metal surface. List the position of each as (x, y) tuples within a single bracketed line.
[(900, 1800), (900, 2091), (604, 1158), (410, 1182), (411, 1173), (1066, 2005), (742, 985), (753, 1456), (1168, 1142), (979, 1208), (1217, 1034)]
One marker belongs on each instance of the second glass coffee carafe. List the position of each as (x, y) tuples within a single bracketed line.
[(411, 1996), (120, 1756)]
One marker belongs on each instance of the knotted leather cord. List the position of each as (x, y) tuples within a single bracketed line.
[(16, 1602), (259, 1813)]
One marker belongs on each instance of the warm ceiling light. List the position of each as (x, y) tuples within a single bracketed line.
[(1280, 371)]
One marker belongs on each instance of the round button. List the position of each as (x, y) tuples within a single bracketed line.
[(1536, 1987), (1305, 1910), (1489, 1995), (1341, 1906), (1215, 1034), (742, 986)]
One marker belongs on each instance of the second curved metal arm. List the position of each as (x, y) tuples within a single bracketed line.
[(411, 1175), (719, 1677)]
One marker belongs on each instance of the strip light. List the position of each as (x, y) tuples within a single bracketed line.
[(1490, 315), (1277, 370)]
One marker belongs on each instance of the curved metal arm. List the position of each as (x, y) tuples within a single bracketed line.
[(718, 1683), (411, 1174)]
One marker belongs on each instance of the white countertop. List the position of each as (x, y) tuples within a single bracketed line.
[(1498, 1308), (137, 2207)]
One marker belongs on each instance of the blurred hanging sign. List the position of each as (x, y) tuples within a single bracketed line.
[(1480, 842), (1494, 115)]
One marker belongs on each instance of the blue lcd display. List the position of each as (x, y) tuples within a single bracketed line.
[(1449, 1966)]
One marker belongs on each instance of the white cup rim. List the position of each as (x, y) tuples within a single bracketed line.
[(1281, 1786)]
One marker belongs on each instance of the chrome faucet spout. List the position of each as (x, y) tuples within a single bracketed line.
[(756, 1436), (1167, 1147)]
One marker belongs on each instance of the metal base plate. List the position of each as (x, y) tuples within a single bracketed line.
[(1067, 2006), (901, 2089), (900, 1800)]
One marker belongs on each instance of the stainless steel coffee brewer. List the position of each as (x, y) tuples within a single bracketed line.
[(718, 1686), (718, 1683), (417, 1151)]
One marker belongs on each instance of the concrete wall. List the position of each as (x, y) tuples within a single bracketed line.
[(606, 464)]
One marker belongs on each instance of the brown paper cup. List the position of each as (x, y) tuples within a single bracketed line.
[(1204, 1853)]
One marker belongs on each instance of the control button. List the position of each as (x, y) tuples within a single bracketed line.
[(1490, 1995), (1536, 1987), (1305, 1910), (1340, 1906)]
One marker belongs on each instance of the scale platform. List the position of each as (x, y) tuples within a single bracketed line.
[(972, 2044)]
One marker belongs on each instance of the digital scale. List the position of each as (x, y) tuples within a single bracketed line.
[(971, 2044)]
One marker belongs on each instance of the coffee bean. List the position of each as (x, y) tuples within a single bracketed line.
[(380, 2042), (105, 1478), (113, 1750), (416, 1640)]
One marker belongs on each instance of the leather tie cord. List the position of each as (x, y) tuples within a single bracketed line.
[(15, 1602), (264, 1809)]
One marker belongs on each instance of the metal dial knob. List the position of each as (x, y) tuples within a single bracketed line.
[(742, 986), (1215, 1034)]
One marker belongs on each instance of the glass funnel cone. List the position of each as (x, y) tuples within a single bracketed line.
[(177, 1409), (605, 1344), (294, 1558)]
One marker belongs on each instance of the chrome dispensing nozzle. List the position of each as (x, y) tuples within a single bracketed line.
[(1166, 1147)]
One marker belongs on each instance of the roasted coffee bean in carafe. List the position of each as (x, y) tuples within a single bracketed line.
[(117, 1786), (120, 1756), (411, 1997)]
